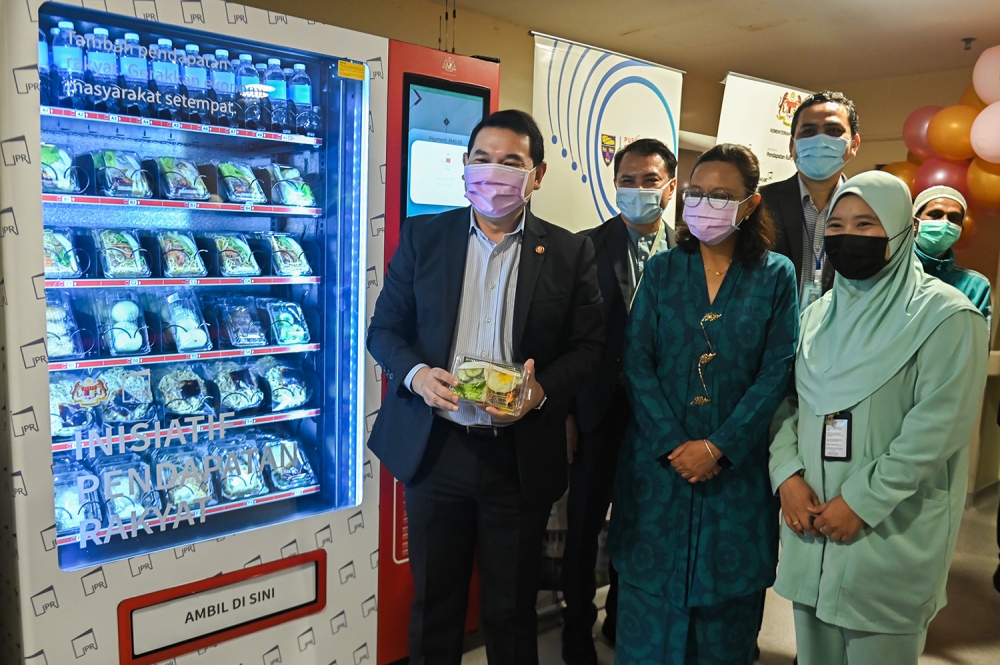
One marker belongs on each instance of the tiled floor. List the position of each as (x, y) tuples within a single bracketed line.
[(966, 632)]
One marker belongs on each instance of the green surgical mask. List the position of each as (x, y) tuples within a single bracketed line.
[(936, 236)]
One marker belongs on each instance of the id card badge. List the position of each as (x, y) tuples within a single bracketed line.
[(837, 437), (811, 292)]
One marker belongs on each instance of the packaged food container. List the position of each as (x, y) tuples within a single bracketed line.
[(130, 396), (121, 493), (182, 390), (180, 179), (120, 173), (123, 326), (238, 387), (62, 334), (287, 383), (61, 261), (239, 321), (239, 478), (235, 256), (75, 399), (185, 324), (121, 254), (190, 482), (287, 257), (239, 184), (288, 187), (59, 175), (490, 383), (71, 507), (292, 469), (181, 256), (288, 323)]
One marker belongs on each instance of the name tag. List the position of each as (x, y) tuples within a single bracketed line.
[(837, 437), (811, 292)]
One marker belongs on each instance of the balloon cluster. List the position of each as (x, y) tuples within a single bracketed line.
[(958, 146)]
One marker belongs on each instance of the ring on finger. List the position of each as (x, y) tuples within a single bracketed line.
[(796, 523)]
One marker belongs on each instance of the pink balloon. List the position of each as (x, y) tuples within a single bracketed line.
[(986, 75), (915, 131), (938, 171), (986, 133)]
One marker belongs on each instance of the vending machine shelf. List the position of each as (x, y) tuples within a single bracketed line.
[(134, 121), (242, 208), (128, 361), (209, 510), (187, 430), (155, 282)]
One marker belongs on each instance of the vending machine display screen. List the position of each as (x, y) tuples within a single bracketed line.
[(204, 249), (439, 120)]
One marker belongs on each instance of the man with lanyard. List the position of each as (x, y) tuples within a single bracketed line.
[(824, 138), (644, 178), (939, 213)]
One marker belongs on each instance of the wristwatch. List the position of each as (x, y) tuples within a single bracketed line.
[(542, 403)]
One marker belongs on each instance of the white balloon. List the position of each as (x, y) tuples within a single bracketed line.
[(986, 75)]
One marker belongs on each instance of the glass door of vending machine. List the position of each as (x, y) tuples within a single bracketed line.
[(204, 215)]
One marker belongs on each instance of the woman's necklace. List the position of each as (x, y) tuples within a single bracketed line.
[(718, 273)]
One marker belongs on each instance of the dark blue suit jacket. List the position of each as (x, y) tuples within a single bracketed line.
[(557, 322)]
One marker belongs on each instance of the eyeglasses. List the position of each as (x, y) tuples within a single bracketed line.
[(717, 200)]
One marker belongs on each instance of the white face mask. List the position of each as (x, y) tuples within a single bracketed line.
[(639, 205)]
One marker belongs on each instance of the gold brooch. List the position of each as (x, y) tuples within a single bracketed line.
[(705, 358)]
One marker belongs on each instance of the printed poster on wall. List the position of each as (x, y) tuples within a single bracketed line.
[(758, 114), (591, 103)]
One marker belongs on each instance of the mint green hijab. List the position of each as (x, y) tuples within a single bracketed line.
[(860, 334)]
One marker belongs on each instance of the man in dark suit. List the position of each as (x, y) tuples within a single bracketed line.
[(644, 180), (824, 138), (497, 283)]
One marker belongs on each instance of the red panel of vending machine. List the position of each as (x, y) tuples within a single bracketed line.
[(435, 100)]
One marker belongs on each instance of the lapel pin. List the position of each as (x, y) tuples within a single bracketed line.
[(539, 250)]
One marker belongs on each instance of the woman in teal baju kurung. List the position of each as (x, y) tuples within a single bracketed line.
[(694, 523)]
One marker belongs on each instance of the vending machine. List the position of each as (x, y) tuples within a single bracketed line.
[(191, 201), (435, 100)]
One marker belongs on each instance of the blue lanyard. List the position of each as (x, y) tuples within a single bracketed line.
[(812, 247)]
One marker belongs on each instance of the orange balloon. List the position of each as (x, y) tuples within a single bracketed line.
[(950, 131), (968, 237), (970, 98), (905, 171), (914, 159), (983, 179)]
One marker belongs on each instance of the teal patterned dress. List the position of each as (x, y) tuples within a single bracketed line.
[(689, 546)]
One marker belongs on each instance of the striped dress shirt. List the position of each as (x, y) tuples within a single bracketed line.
[(814, 234), (486, 311)]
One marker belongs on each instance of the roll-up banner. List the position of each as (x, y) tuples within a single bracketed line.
[(758, 114), (591, 103)]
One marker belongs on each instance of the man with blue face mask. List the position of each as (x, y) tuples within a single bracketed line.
[(824, 138), (939, 213), (644, 179)]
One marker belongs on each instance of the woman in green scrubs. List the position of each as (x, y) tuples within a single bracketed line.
[(870, 460)]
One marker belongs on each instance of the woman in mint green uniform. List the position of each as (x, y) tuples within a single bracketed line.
[(871, 510)]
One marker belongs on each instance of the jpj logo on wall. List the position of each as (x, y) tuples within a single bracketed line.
[(589, 104)]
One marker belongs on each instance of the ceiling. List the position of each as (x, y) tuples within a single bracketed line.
[(809, 43)]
